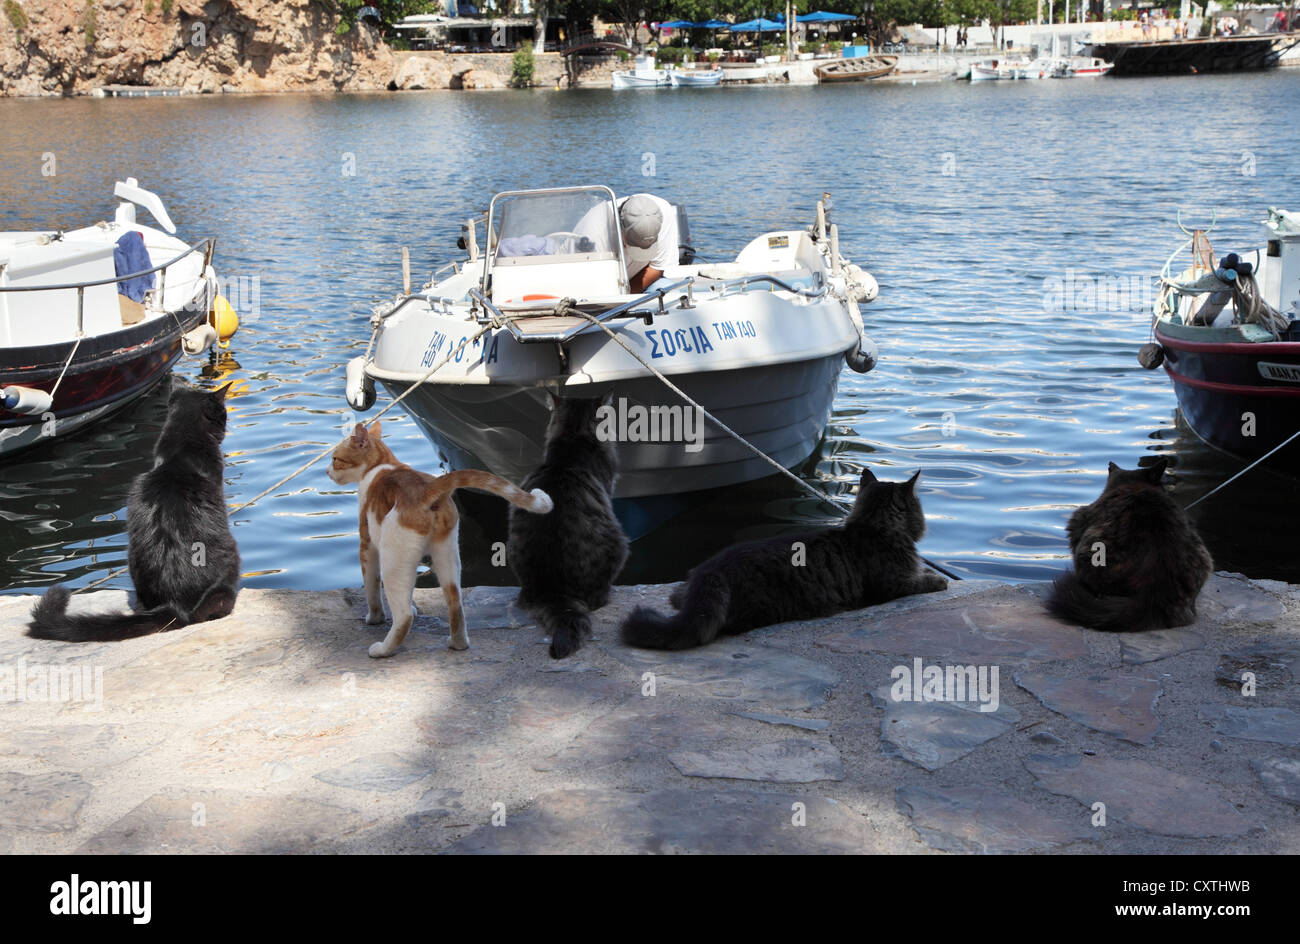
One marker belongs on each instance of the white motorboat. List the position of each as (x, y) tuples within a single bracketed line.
[(758, 342), (1010, 69), (695, 78), (644, 75), (93, 318), (1081, 67)]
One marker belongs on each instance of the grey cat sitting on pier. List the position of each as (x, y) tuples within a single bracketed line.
[(869, 558), (180, 550), (566, 562), (1138, 561)]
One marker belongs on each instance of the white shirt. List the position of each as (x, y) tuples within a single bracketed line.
[(664, 251)]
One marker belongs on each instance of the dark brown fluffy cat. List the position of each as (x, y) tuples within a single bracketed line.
[(1138, 561), (870, 558)]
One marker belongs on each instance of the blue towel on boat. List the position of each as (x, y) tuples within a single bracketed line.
[(525, 246), (131, 256)]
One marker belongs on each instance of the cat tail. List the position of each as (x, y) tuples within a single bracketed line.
[(701, 617), (568, 622), (1074, 603), (50, 620), (536, 501)]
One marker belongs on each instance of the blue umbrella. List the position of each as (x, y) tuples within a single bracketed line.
[(715, 24), (677, 24), (759, 25), (821, 16)]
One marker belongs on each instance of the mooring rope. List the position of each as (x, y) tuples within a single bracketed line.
[(1225, 484), (807, 486)]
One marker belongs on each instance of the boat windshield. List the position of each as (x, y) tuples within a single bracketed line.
[(576, 225)]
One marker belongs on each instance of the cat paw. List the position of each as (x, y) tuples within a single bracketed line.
[(374, 617), (377, 651), (565, 645)]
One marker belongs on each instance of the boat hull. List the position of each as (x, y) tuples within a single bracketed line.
[(108, 373), (781, 408), (1242, 398)]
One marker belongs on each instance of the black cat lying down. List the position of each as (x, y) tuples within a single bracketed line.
[(870, 558), (182, 557)]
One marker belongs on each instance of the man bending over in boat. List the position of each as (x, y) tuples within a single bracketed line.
[(649, 227)]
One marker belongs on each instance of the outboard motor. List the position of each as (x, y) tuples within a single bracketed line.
[(685, 250)]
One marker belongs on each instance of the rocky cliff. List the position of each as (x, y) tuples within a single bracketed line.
[(67, 47)]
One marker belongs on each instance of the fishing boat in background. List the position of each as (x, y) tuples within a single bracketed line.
[(1004, 69), (1081, 67), (695, 78), (644, 75), (759, 342), (1227, 331), (92, 318), (856, 69)]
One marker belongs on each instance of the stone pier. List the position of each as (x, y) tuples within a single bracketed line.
[(273, 731)]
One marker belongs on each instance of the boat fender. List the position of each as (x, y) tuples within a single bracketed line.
[(200, 339), (224, 319), (863, 357), (360, 387), (862, 284), (27, 400), (1151, 356)]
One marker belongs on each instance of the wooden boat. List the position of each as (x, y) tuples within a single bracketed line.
[(856, 69)]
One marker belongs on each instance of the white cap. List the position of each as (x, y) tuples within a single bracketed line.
[(640, 219)]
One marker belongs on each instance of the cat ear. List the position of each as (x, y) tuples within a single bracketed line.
[(607, 399), (376, 430), (359, 436), (867, 476), (1112, 468), (1156, 471), (911, 483), (551, 401), (224, 389)]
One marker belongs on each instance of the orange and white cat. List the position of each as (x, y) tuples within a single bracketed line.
[(405, 514)]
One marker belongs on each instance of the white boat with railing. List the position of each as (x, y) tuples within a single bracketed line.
[(92, 318), (1002, 68), (1081, 67), (759, 342)]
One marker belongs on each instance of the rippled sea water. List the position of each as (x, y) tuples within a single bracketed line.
[(970, 204)]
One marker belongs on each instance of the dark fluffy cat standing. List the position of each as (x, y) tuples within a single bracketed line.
[(566, 562), (870, 558), (182, 557), (1138, 561)]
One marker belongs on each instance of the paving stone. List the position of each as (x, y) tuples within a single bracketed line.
[(44, 803), (1280, 777), (1119, 705), (934, 734), (985, 821), (794, 760), (383, 773), (667, 821), (1275, 663), (211, 822), (738, 670), (1140, 794), (434, 806), (1015, 628), (78, 745), (807, 724), (1277, 725), (1232, 598), (640, 729), (1154, 644)]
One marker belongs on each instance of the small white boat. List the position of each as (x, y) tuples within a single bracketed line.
[(1082, 67), (759, 342), (92, 318), (644, 75), (1010, 69), (695, 78)]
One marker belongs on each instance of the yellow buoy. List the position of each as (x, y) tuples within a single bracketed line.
[(223, 319)]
